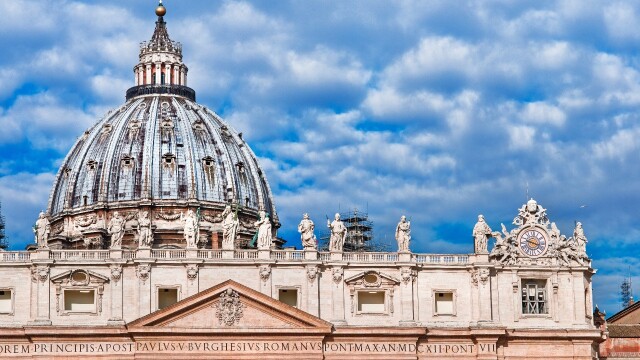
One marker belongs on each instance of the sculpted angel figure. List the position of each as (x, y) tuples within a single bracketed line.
[(264, 231), (145, 236), (190, 229), (305, 228), (403, 234), (42, 230), (338, 233), (481, 233), (116, 230), (230, 225), (505, 248)]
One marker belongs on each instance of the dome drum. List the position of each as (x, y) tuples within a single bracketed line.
[(88, 229)]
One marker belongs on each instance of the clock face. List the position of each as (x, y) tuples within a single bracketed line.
[(532, 242)]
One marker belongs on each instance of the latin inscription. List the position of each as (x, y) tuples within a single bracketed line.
[(53, 349)]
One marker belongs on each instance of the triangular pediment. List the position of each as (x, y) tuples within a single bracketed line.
[(230, 307)]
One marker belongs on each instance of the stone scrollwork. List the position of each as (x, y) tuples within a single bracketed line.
[(169, 215), (265, 272), (39, 273), (337, 273), (312, 273), (192, 271), (116, 272), (408, 275), (531, 214), (143, 272), (229, 309), (480, 276), (85, 221)]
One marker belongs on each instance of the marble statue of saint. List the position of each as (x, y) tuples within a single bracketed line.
[(481, 233), (403, 234), (42, 230), (145, 236), (338, 233), (190, 229), (230, 225), (116, 230), (264, 231), (305, 228), (580, 240)]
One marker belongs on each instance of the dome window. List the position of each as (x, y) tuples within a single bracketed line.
[(127, 161), (91, 165), (208, 161)]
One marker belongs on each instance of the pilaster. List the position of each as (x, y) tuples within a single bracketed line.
[(337, 294)]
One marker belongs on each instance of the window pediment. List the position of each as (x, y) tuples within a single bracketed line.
[(372, 279), (79, 277)]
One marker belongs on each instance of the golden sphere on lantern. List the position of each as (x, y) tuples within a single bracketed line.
[(161, 10)]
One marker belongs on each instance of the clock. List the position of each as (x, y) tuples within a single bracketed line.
[(532, 242)]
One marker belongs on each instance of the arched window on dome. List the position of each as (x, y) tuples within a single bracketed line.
[(162, 81)]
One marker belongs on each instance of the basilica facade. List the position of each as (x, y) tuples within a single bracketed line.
[(160, 240)]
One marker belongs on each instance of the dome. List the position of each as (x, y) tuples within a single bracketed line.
[(162, 153)]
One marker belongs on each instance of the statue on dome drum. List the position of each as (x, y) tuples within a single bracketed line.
[(116, 230), (306, 228), (264, 239), (403, 234), (338, 233), (145, 235), (230, 225), (191, 229), (481, 235), (42, 229)]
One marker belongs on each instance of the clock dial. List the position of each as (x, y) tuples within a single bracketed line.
[(532, 242)]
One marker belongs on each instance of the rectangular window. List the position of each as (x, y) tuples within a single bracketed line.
[(167, 297), (80, 300), (534, 297), (371, 301), (444, 304), (289, 296), (6, 301)]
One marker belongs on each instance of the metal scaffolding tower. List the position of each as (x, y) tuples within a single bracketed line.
[(359, 233), (3, 239)]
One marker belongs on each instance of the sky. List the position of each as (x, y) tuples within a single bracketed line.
[(438, 110)]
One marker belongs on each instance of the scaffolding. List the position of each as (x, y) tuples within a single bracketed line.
[(359, 233), (626, 293), (3, 239)]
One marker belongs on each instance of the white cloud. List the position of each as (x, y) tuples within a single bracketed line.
[(543, 113), (44, 120)]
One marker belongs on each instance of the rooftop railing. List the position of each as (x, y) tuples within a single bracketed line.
[(238, 254)]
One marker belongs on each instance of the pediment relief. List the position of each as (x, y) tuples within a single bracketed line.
[(230, 307), (372, 279), (79, 277)]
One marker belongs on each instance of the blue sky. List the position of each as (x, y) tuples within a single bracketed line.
[(439, 110)]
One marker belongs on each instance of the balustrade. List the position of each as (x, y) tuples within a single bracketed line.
[(238, 254)]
